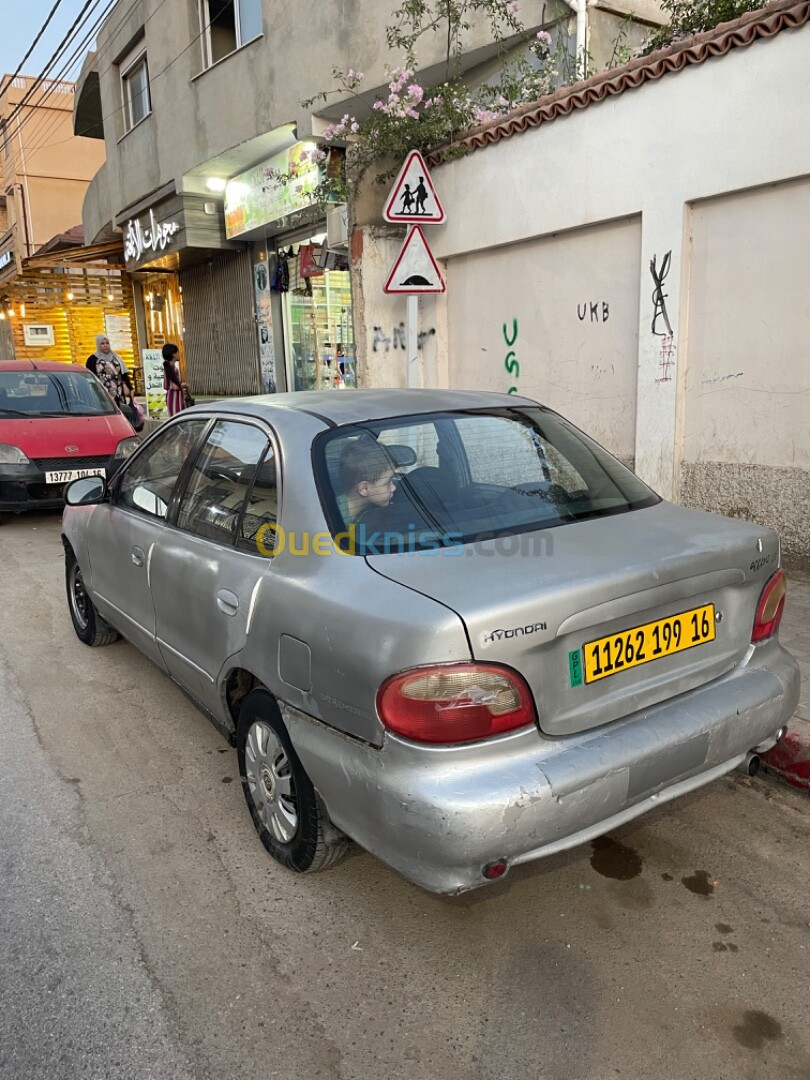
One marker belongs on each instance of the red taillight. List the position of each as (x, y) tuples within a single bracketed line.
[(455, 703), (770, 607)]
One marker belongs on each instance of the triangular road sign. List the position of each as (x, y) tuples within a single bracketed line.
[(415, 270), (413, 197)]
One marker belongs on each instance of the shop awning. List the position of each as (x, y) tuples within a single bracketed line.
[(110, 252)]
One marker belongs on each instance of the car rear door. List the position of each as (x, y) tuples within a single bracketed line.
[(124, 532), (208, 563)]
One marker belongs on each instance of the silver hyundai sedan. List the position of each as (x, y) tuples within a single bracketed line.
[(446, 625)]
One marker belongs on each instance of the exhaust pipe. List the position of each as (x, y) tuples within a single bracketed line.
[(750, 764)]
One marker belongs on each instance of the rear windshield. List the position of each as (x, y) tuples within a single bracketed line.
[(445, 479), (24, 394)]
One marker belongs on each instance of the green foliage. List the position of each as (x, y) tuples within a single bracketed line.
[(410, 115), (688, 17)]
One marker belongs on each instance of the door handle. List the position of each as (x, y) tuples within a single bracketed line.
[(227, 602), (138, 556)]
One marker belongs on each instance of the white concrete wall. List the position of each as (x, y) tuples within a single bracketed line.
[(559, 323), (692, 157)]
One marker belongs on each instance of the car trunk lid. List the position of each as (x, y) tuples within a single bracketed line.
[(535, 601)]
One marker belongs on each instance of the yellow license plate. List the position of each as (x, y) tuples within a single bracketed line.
[(630, 648)]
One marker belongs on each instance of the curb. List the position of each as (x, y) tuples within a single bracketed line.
[(790, 760)]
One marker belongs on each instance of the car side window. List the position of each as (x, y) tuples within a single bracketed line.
[(257, 529), (223, 474), (148, 483)]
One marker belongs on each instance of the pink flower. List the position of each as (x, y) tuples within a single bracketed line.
[(415, 93), (544, 37)]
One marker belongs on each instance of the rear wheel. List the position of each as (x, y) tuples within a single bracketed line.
[(88, 624), (287, 812)]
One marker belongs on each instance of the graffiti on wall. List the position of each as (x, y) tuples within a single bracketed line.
[(659, 297), (666, 359), (667, 347), (594, 309), (511, 363), (381, 342)]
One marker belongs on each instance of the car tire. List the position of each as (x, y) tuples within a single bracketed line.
[(288, 813), (88, 624)]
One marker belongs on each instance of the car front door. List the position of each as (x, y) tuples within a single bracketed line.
[(125, 530), (208, 563)]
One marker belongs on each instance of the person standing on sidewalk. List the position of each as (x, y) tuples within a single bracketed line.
[(108, 366), (177, 396)]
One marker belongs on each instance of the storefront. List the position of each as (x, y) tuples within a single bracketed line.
[(301, 281), (62, 298), (194, 289)]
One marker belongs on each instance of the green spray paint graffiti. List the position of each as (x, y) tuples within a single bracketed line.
[(511, 363)]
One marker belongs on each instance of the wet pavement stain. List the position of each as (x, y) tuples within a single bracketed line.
[(699, 883), (718, 946), (614, 860), (723, 928), (756, 1029), (227, 779), (732, 947), (667, 877)]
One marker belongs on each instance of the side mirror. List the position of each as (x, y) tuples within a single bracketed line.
[(86, 491)]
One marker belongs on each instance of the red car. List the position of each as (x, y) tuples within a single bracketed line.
[(57, 423)]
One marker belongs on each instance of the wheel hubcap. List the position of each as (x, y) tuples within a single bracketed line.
[(78, 596), (270, 782)]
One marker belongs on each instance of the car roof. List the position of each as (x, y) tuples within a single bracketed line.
[(336, 407), (39, 365)]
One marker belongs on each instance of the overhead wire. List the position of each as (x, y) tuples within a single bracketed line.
[(152, 77), (108, 45), (38, 120), (105, 48), (31, 48), (53, 60)]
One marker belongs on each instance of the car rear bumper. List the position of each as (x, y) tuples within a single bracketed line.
[(439, 815)]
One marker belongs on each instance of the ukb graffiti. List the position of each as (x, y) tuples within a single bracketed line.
[(593, 311)]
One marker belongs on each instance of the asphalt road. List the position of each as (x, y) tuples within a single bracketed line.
[(145, 933)]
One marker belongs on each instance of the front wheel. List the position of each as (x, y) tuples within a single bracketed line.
[(289, 817), (88, 624)]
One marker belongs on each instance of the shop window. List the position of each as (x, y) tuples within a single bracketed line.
[(227, 25), (135, 91)]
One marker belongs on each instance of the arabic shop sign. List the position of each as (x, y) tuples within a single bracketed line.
[(141, 240), (285, 183)]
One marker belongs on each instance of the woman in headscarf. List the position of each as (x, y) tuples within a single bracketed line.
[(176, 389), (111, 369)]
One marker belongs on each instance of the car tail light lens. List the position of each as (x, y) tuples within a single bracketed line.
[(455, 703), (770, 607)]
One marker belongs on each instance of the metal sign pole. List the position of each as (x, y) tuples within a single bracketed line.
[(412, 339)]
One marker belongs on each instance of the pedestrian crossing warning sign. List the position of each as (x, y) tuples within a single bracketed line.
[(413, 198), (415, 270)]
